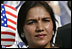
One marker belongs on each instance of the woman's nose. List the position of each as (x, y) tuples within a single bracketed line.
[(39, 28)]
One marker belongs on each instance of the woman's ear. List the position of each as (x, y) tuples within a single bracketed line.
[(22, 33), (53, 33)]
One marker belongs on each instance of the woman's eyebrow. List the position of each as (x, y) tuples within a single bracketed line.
[(47, 18), (36, 20), (31, 20)]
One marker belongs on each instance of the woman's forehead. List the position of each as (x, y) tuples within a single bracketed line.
[(38, 12)]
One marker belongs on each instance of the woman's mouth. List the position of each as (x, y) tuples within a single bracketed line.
[(40, 35)]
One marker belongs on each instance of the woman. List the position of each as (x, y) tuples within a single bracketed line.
[(36, 24)]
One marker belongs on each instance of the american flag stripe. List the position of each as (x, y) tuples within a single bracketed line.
[(8, 33), (12, 18), (6, 43), (12, 21), (11, 10), (5, 36), (12, 27), (10, 7), (12, 40), (7, 12), (12, 24), (7, 29)]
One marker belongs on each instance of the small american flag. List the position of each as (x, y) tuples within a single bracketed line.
[(8, 25)]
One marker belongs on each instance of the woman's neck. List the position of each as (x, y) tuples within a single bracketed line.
[(46, 46)]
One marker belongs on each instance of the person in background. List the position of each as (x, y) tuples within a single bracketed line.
[(63, 38), (69, 4), (65, 13)]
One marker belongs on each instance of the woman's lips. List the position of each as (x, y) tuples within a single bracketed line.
[(40, 35)]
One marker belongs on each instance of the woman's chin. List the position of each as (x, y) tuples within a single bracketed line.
[(42, 43)]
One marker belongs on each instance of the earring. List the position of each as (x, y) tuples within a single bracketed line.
[(53, 32), (22, 34)]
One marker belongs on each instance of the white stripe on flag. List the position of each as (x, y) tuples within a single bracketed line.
[(11, 17), (5, 36), (6, 29), (6, 43), (13, 25)]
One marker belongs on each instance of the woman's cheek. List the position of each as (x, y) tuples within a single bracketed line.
[(29, 29), (49, 28), (29, 32)]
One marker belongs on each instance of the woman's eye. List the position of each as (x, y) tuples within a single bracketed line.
[(31, 22), (45, 20)]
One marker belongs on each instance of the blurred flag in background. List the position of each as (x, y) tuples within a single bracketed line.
[(8, 25)]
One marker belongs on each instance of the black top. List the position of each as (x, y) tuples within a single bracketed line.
[(63, 38)]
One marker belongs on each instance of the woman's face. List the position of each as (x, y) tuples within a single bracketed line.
[(38, 27)]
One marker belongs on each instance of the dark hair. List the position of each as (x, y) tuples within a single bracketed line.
[(69, 4), (2, 2), (23, 13)]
